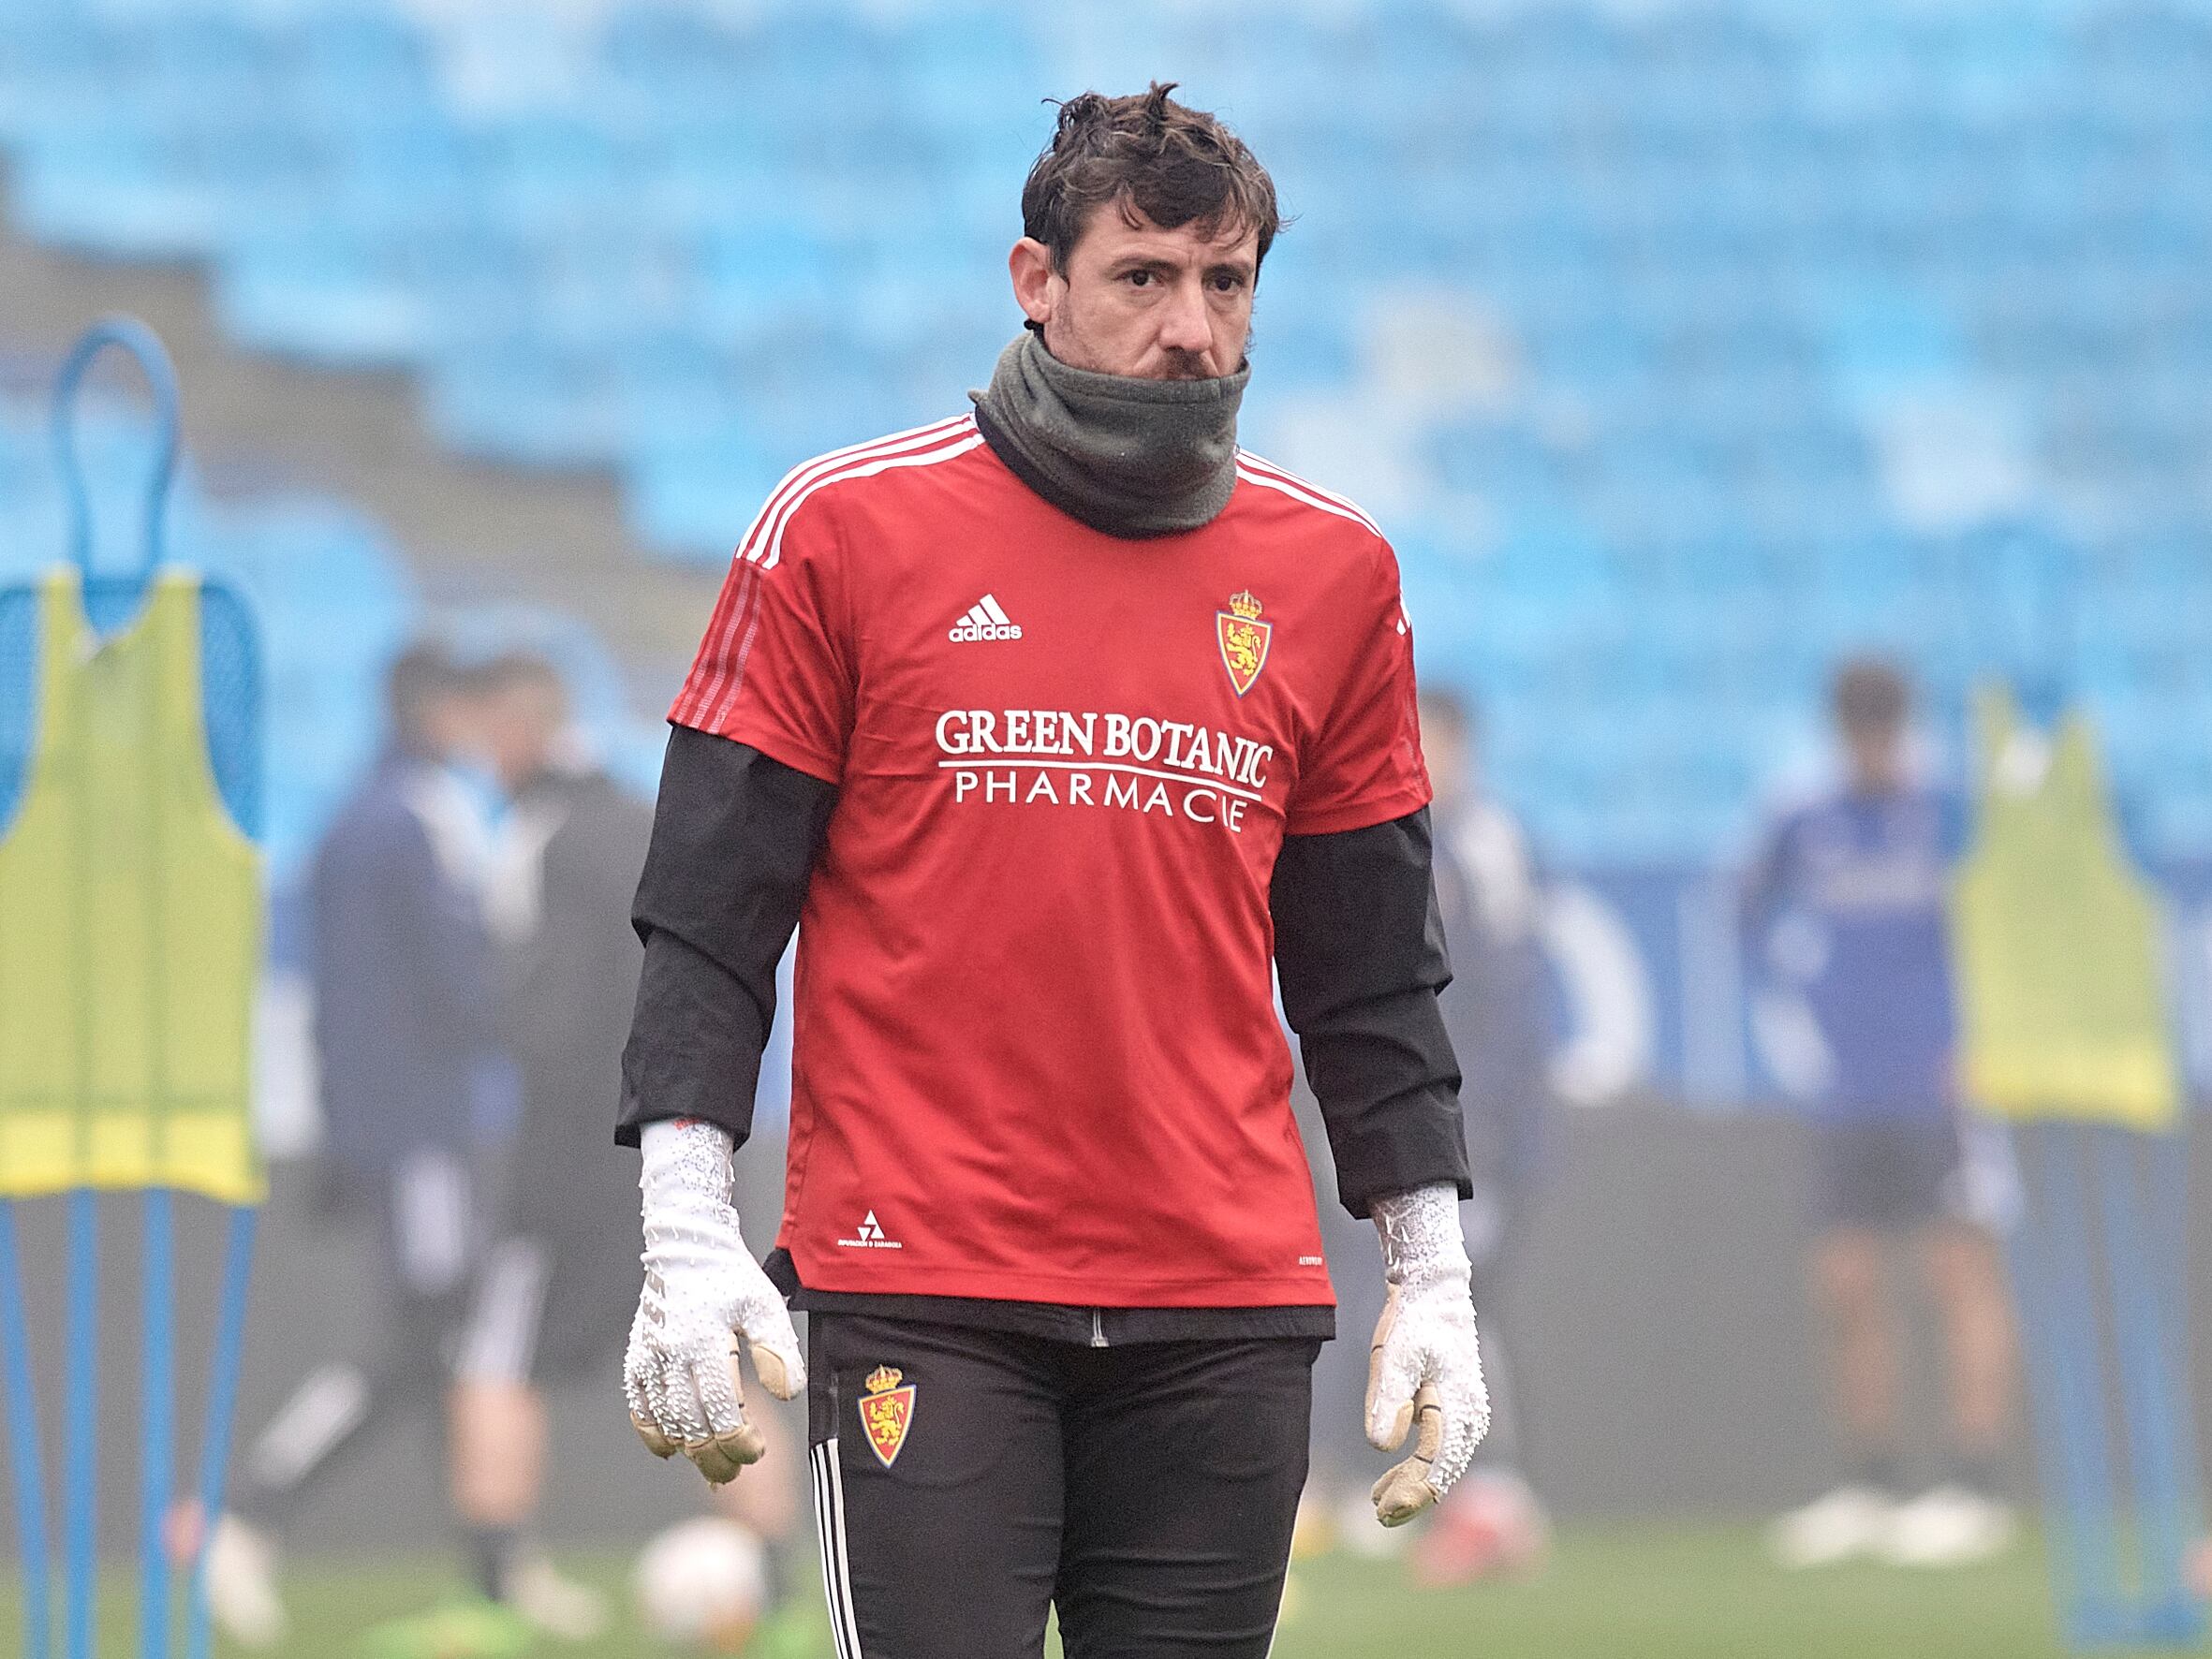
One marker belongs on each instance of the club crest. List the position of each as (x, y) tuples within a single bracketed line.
[(1244, 640), (887, 1410)]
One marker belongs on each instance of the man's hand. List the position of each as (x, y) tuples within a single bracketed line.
[(1424, 1370), (703, 1290)]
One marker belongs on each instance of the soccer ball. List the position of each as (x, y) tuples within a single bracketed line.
[(702, 1583)]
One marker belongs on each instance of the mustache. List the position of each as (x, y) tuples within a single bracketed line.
[(1186, 365)]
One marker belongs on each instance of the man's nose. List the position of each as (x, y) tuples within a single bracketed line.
[(1185, 326)]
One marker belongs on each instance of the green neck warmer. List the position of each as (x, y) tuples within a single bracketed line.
[(1129, 457)]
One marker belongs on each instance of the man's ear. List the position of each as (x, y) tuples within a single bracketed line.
[(1030, 265)]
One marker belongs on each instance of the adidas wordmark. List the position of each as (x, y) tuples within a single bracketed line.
[(985, 621)]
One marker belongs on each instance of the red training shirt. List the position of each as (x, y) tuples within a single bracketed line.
[(1036, 1050)]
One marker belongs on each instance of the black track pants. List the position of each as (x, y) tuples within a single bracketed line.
[(1148, 1490)]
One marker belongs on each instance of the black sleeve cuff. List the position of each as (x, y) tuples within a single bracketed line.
[(695, 1044), (1389, 1090)]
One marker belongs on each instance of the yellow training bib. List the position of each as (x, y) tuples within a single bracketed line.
[(2060, 975), (130, 920)]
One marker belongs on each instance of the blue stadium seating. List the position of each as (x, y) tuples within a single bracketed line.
[(1749, 264)]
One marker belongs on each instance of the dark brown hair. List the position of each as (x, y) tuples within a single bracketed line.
[(1147, 154), (1870, 695), (417, 678), (513, 670), (1450, 708)]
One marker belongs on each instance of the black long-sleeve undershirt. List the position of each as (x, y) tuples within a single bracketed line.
[(734, 838), (1359, 953)]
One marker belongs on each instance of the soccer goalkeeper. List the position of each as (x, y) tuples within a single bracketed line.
[(1049, 726)]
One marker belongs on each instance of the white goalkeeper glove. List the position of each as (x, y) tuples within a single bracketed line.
[(702, 1291), (1425, 1368)]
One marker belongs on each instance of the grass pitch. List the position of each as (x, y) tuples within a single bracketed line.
[(1609, 1593)]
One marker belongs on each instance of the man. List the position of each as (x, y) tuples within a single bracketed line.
[(564, 1262), (403, 1029), (1495, 1009), (562, 868), (1847, 899), (1495, 1012), (1045, 723)]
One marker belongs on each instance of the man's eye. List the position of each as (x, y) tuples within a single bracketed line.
[(1141, 279)]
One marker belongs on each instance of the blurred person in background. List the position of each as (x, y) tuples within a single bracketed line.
[(1488, 903), (1496, 1012), (1845, 901), (401, 971), (561, 1274)]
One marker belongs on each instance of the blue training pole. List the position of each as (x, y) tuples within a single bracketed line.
[(2057, 1271), (2041, 1320), (22, 1434), (2150, 1359), (222, 1397), (2170, 1184), (81, 1451), (159, 1411)]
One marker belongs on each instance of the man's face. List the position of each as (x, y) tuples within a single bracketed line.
[(518, 728), (1450, 756), (447, 725), (1141, 301), (1877, 755)]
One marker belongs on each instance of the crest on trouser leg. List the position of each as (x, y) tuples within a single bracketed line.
[(887, 1411)]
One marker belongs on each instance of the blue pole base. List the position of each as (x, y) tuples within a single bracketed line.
[(2175, 1620)]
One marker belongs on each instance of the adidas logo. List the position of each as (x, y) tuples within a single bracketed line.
[(985, 621)]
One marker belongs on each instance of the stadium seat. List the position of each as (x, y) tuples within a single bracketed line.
[(1723, 246)]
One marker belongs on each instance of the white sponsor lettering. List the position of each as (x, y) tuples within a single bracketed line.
[(1138, 761)]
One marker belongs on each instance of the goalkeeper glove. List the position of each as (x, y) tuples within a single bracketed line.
[(1424, 1370), (703, 1290)]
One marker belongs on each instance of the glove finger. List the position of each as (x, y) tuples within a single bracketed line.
[(647, 1399), (1389, 1394), (1408, 1487), (675, 1403), (731, 1442), (1401, 1494), (1391, 1399), (776, 1358), (722, 1459), (1466, 1422), (637, 1363), (659, 1444), (720, 1389)]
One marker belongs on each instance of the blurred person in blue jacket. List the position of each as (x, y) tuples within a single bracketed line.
[(560, 1274), (1844, 904), (404, 1031)]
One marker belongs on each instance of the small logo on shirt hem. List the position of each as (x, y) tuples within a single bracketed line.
[(869, 1236)]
